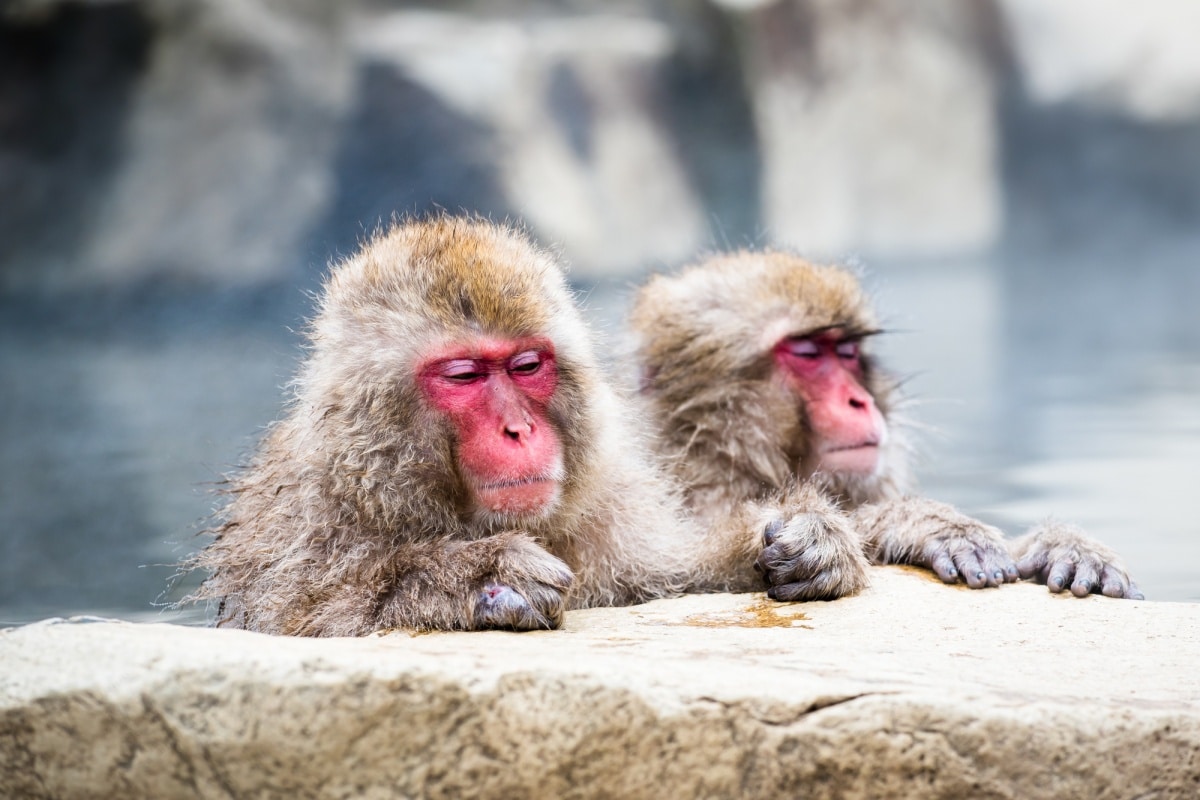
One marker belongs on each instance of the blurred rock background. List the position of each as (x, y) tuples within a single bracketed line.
[(1021, 179)]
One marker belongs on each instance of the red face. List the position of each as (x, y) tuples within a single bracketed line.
[(495, 392), (825, 370)]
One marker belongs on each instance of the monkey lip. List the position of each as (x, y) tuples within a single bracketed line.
[(862, 457), (519, 495)]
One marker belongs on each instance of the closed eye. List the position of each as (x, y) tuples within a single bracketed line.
[(525, 363), (461, 372), (803, 348)]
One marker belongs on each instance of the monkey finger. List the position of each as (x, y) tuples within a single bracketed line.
[(996, 565), (944, 567), (1114, 583), (1087, 579), (771, 531), (824, 586), (1059, 576), (1009, 568), (778, 565), (1033, 565), (971, 569), (1134, 592), (500, 606)]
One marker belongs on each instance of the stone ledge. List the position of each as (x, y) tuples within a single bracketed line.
[(910, 689)]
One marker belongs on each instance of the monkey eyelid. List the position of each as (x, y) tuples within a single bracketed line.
[(802, 347), (526, 362), (460, 370)]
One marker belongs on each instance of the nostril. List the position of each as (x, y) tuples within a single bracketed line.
[(857, 404), (514, 435)]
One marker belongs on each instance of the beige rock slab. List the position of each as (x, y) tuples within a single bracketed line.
[(911, 689)]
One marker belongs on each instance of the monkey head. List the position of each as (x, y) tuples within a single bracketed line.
[(759, 362), (453, 348)]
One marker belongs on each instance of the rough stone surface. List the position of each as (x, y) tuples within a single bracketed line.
[(910, 689), (228, 141), (571, 105), (878, 131)]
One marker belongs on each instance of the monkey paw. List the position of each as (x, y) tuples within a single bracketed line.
[(811, 556), (527, 593), (1061, 555), (500, 606), (972, 551)]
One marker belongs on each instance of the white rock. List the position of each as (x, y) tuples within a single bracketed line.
[(910, 689), (228, 144), (877, 126), (581, 150), (1140, 60)]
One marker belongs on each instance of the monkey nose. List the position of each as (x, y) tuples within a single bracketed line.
[(860, 403), (517, 430)]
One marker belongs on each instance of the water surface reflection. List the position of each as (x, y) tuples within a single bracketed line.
[(1066, 387), (1043, 387)]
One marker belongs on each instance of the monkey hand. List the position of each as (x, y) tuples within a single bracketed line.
[(1061, 555), (927, 533), (811, 556), (526, 591), (975, 553)]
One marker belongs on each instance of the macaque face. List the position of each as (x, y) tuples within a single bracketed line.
[(495, 393), (825, 370)]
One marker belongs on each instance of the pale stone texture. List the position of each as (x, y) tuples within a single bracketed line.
[(876, 122), (580, 147), (910, 689), (228, 142), (1137, 60)]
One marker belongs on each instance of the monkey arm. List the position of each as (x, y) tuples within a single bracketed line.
[(1061, 555), (926, 533), (501, 581), (722, 559), (796, 543)]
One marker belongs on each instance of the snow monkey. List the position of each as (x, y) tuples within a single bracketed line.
[(771, 411), (451, 457)]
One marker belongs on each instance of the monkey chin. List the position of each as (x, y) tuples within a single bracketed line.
[(532, 497), (861, 460)]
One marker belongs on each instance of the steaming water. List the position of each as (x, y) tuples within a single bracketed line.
[(1050, 387)]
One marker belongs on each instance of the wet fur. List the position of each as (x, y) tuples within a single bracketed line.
[(353, 516), (738, 440)]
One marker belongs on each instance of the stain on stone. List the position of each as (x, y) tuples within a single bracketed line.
[(763, 613)]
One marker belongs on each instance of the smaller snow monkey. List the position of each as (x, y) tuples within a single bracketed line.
[(451, 458), (776, 419)]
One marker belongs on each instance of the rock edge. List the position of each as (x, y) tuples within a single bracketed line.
[(909, 689)]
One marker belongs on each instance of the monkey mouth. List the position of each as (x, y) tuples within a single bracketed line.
[(529, 494), (518, 482), (846, 447), (861, 457)]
